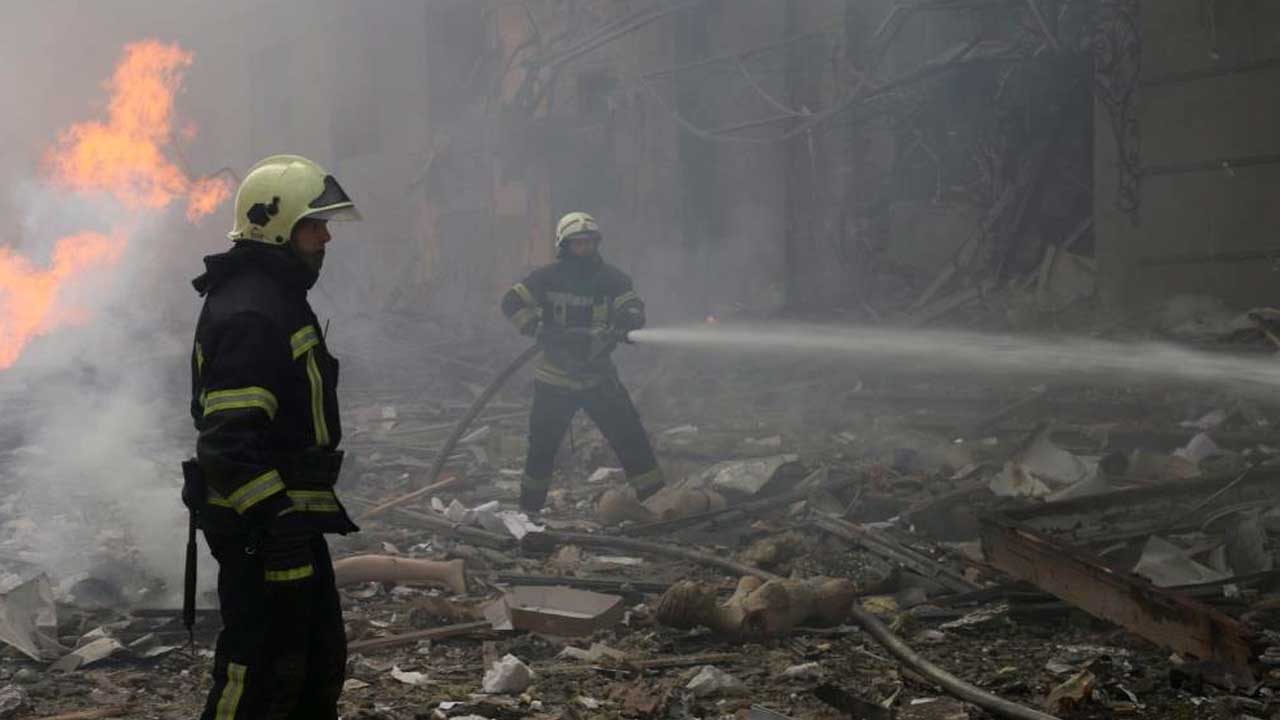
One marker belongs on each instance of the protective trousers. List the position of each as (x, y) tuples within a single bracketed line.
[(282, 652), (609, 406)]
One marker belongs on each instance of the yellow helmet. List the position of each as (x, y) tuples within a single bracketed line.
[(281, 190), (575, 223)]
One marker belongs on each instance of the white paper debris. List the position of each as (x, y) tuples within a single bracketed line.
[(508, 676), (1051, 464), (620, 560), (596, 653), (806, 671), (712, 680), (1014, 481), (1166, 565), (415, 679), (458, 513), (515, 523), (29, 620), (746, 477), (1198, 448), (94, 652), (605, 475)]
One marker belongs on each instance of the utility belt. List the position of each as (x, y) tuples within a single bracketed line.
[(309, 478)]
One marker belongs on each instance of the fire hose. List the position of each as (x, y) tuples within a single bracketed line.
[(868, 622), (437, 466)]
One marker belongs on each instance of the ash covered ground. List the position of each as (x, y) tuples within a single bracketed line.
[(808, 449)]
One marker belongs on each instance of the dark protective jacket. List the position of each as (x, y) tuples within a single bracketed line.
[(576, 294), (264, 395)]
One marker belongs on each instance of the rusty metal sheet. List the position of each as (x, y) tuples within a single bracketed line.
[(1166, 618)]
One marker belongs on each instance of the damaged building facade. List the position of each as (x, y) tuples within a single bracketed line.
[(868, 159)]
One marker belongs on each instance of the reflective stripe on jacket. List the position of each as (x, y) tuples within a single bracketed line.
[(264, 394)]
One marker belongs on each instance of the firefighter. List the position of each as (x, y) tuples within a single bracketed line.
[(579, 307), (265, 406)]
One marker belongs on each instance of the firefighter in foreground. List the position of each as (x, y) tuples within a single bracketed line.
[(579, 307), (262, 484)]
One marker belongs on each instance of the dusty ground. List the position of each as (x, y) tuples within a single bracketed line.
[(888, 441)]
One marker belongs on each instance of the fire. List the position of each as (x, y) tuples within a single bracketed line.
[(124, 155), (29, 302)]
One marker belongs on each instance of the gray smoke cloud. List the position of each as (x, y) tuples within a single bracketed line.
[(97, 419), (94, 479), (403, 101)]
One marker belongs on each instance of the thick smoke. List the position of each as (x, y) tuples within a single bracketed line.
[(415, 108), (89, 452), (97, 408), (94, 481)]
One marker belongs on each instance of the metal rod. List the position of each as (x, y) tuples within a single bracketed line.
[(598, 584), (1208, 73), (1210, 258), (439, 633), (1197, 166)]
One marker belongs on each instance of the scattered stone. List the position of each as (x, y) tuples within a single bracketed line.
[(1073, 693), (409, 678), (806, 671), (508, 676), (930, 637), (606, 476), (13, 700), (773, 550), (711, 680), (598, 652)]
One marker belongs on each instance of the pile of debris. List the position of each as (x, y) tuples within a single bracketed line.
[(935, 553)]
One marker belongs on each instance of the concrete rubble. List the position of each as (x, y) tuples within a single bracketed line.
[(507, 676), (459, 604)]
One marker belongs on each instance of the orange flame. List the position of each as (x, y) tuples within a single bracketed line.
[(125, 155), (29, 296)]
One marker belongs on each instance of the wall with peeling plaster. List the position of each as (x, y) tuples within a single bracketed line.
[(1192, 109)]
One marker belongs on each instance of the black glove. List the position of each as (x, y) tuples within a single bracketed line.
[(630, 318), (287, 557), (532, 329)]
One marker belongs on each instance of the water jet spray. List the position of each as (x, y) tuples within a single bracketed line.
[(973, 352)]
